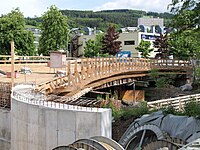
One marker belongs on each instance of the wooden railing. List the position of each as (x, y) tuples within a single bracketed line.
[(80, 73), (178, 103), (6, 59)]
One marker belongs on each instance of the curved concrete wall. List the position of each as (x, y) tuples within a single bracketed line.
[(38, 127), (5, 130)]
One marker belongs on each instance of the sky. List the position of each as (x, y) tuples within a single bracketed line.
[(31, 8)]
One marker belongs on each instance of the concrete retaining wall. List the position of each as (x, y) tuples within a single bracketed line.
[(5, 129), (36, 127)]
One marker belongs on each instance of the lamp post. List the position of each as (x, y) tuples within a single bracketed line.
[(71, 30)]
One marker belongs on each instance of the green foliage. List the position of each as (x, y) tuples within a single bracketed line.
[(54, 31), (161, 81), (137, 111), (125, 113), (144, 48), (169, 110), (12, 27), (185, 38), (154, 74), (102, 19), (185, 44), (197, 72), (93, 47), (192, 108), (110, 44)]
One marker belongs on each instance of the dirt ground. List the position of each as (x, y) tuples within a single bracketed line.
[(40, 73), (152, 94)]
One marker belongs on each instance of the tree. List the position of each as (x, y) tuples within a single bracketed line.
[(185, 45), (12, 27), (163, 47), (54, 31), (144, 48), (186, 13), (186, 35), (110, 44), (93, 47)]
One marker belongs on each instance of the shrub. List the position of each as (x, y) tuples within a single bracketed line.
[(136, 111), (192, 108)]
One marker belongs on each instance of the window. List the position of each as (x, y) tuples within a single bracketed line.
[(129, 42)]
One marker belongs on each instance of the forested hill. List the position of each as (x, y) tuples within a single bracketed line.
[(101, 19)]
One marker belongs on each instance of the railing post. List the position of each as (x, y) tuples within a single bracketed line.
[(87, 69), (95, 68), (69, 72), (113, 64), (109, 65), (77, 77), (99, 62), (103, 67), (118, 63)]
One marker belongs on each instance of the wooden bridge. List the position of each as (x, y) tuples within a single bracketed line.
[(87, 74)]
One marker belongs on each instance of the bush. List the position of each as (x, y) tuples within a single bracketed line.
[(161, 81), (169, 110), (126, 113), (192, 108)]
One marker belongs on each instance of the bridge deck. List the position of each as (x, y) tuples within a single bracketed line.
[(40, 73)]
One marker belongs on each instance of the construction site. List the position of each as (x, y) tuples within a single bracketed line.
[(43, 105)]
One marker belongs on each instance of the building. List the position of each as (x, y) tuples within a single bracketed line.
[(148, 29), (150, 21), (130, 40)]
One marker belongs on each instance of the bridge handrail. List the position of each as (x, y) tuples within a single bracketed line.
[(88, 69), (6, 59)]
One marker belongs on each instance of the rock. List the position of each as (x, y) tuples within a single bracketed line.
[(186, 87)]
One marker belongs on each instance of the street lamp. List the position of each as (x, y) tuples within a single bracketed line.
[(71, 30)]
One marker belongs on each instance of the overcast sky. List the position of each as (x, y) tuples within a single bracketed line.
[(30, 8)]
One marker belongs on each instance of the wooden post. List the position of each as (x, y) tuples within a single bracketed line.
[(12, 63), (95, 68), (69, 73)]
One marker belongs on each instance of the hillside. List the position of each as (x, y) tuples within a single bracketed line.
[(101, 19)]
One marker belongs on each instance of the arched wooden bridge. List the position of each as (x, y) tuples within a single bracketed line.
[(87, 74)]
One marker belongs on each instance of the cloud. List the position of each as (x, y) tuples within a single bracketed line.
[(28, 7), (146, 5)]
